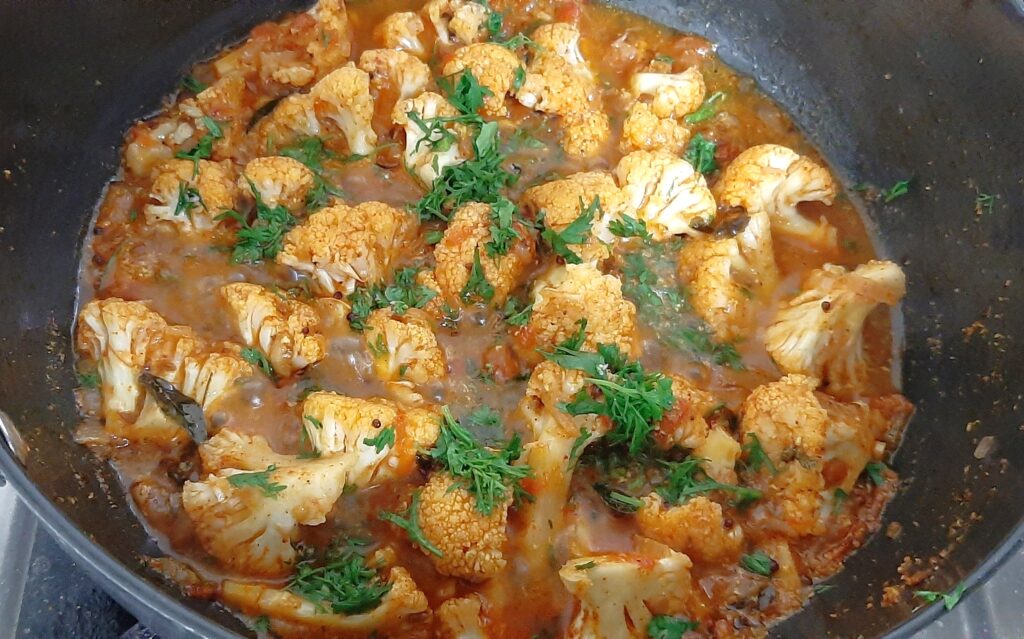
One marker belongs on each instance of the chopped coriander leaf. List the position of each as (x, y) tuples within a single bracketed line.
[(464, 93), (503, 233), (409, 522), (344, 584), (627, 226), (949, 600), (517, 41), (820, 589), (261, 624), (190, 83), (313, 421), (477, 285), (433, 237), (188, 199), (263, 238), (204, 147), (701, 154), (495, 23), (310, 151), (759, 563), (875, 470), (575, 233), (400, 296), (518, 79), (983, 203), (259, 479), (487, 474), (666, 627), (485, 416), (661, 57), (577, 446), (515, 313), (587, 565), (320, 195), (383, 439), (688, 479), (757, 457), (706, 110), (617, 500), (895, 191), (255, 357), (372, 153), (89, 380), (698, 340), (839, 499), (212, 126)]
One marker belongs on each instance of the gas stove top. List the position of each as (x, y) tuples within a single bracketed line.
[(44, 595)]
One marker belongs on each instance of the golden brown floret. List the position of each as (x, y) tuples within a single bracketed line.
[(190, 199), (645, 131), (278, 180), (584, 133), (404, 348), (494, 66), (672, 95), (562, 202), (400, 72), (333, 42), (794, 500), (666, 193), (424, 161), (684, 424), (696, 528), (786, 417), (461, 618), (458, 21), (343, 97), (402, 31)]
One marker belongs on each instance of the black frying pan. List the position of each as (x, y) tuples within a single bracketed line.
[(887, 88)]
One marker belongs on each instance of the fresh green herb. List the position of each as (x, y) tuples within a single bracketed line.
[(849, 245), (518, 79), (820, 589), (618, 500), (372, 153), (188, 199), (190, 83), (487, 474), (759, 563), (503, 233), (575, 233), (516, 313), (517, 41), (983, 203), (665, 627), (701, 154), (400, 296), (875, 470), (378, 347), (204, 147), (261, 624), (433, 237), (89, 380), (706, 110), (383, 439), (861, 187), (688, 479), (627, 226), (464, 93), (495, 23), (133, 215), (311, 152), (255, 357), (263, 238), (698, 339), (307, 391), (587, 565), (259, 479), (661, 57), (314, 422), (839, 499), (409, 522), (757, 458), (895, 191), (345, 584), (477, 285), (485, 417), (949, 600), (577, 446)]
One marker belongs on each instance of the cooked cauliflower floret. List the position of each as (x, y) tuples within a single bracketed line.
[(726, 277), (786, 417), (402, 73), (401, 31), (664, 191), (229, 449), (190, 199), (286, 330), (458, 21), (673, 95), (206, 377), (720, 453), (467, 238), (576, 292), (249, 527), (426, 162), (470, 542), (560, 201), (343, 97), (333, 42), (775, 179), (697, 528), (585, 132), (684, 424), (794, 500), (342, 246), (820, 331), (553, 86), (563, 40), (461, 618), (404, 348), (494, 66), (278, 180), (292, 616), (619, 594), (643, 130)]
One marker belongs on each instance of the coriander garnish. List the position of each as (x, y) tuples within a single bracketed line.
[(259, 479)]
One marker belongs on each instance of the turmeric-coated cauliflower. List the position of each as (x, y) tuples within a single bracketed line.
[(795, 500), (578, 292), (278, 180), (664, 191), (494, 66), (333, 42), (786, 417), (774, 179), (562, 201), (585, 132), (401, 31), (190, 195), (467, 241), (697, 527), (684, 424), (643, 130), (424, 161), (820, 331), (286, 330), (461, 618), (470, 542), (402, 73), (562, 39), (720, 451), (343, 97), (404, 348), (458, 21), (673, 95), (342, 246), (230, 449), (857, 434)]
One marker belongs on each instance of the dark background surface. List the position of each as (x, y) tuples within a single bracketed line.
[(929, 89)]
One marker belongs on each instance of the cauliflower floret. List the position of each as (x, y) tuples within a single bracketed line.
[(819, 332), (786, 417), (719, 452), (727, 276), (249, 526), (398, 71), (293, 617), (493, 66), (333, 42), (278, 180), (286, 330), (461, 618), (665, 192), (697, 528), (643, 130), (585, 132), (404, 348), (470, 542), (673, 95), (426, 162), (342, 246), (343, 97), (684, 423), (401, 31), (775, 179), (229, 449), (576, 292), (207, 377), (553, 86), (562, 39), (561, 202), (466, 239), (794, 500), (619, 594), (458, 21), (189, 199)]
